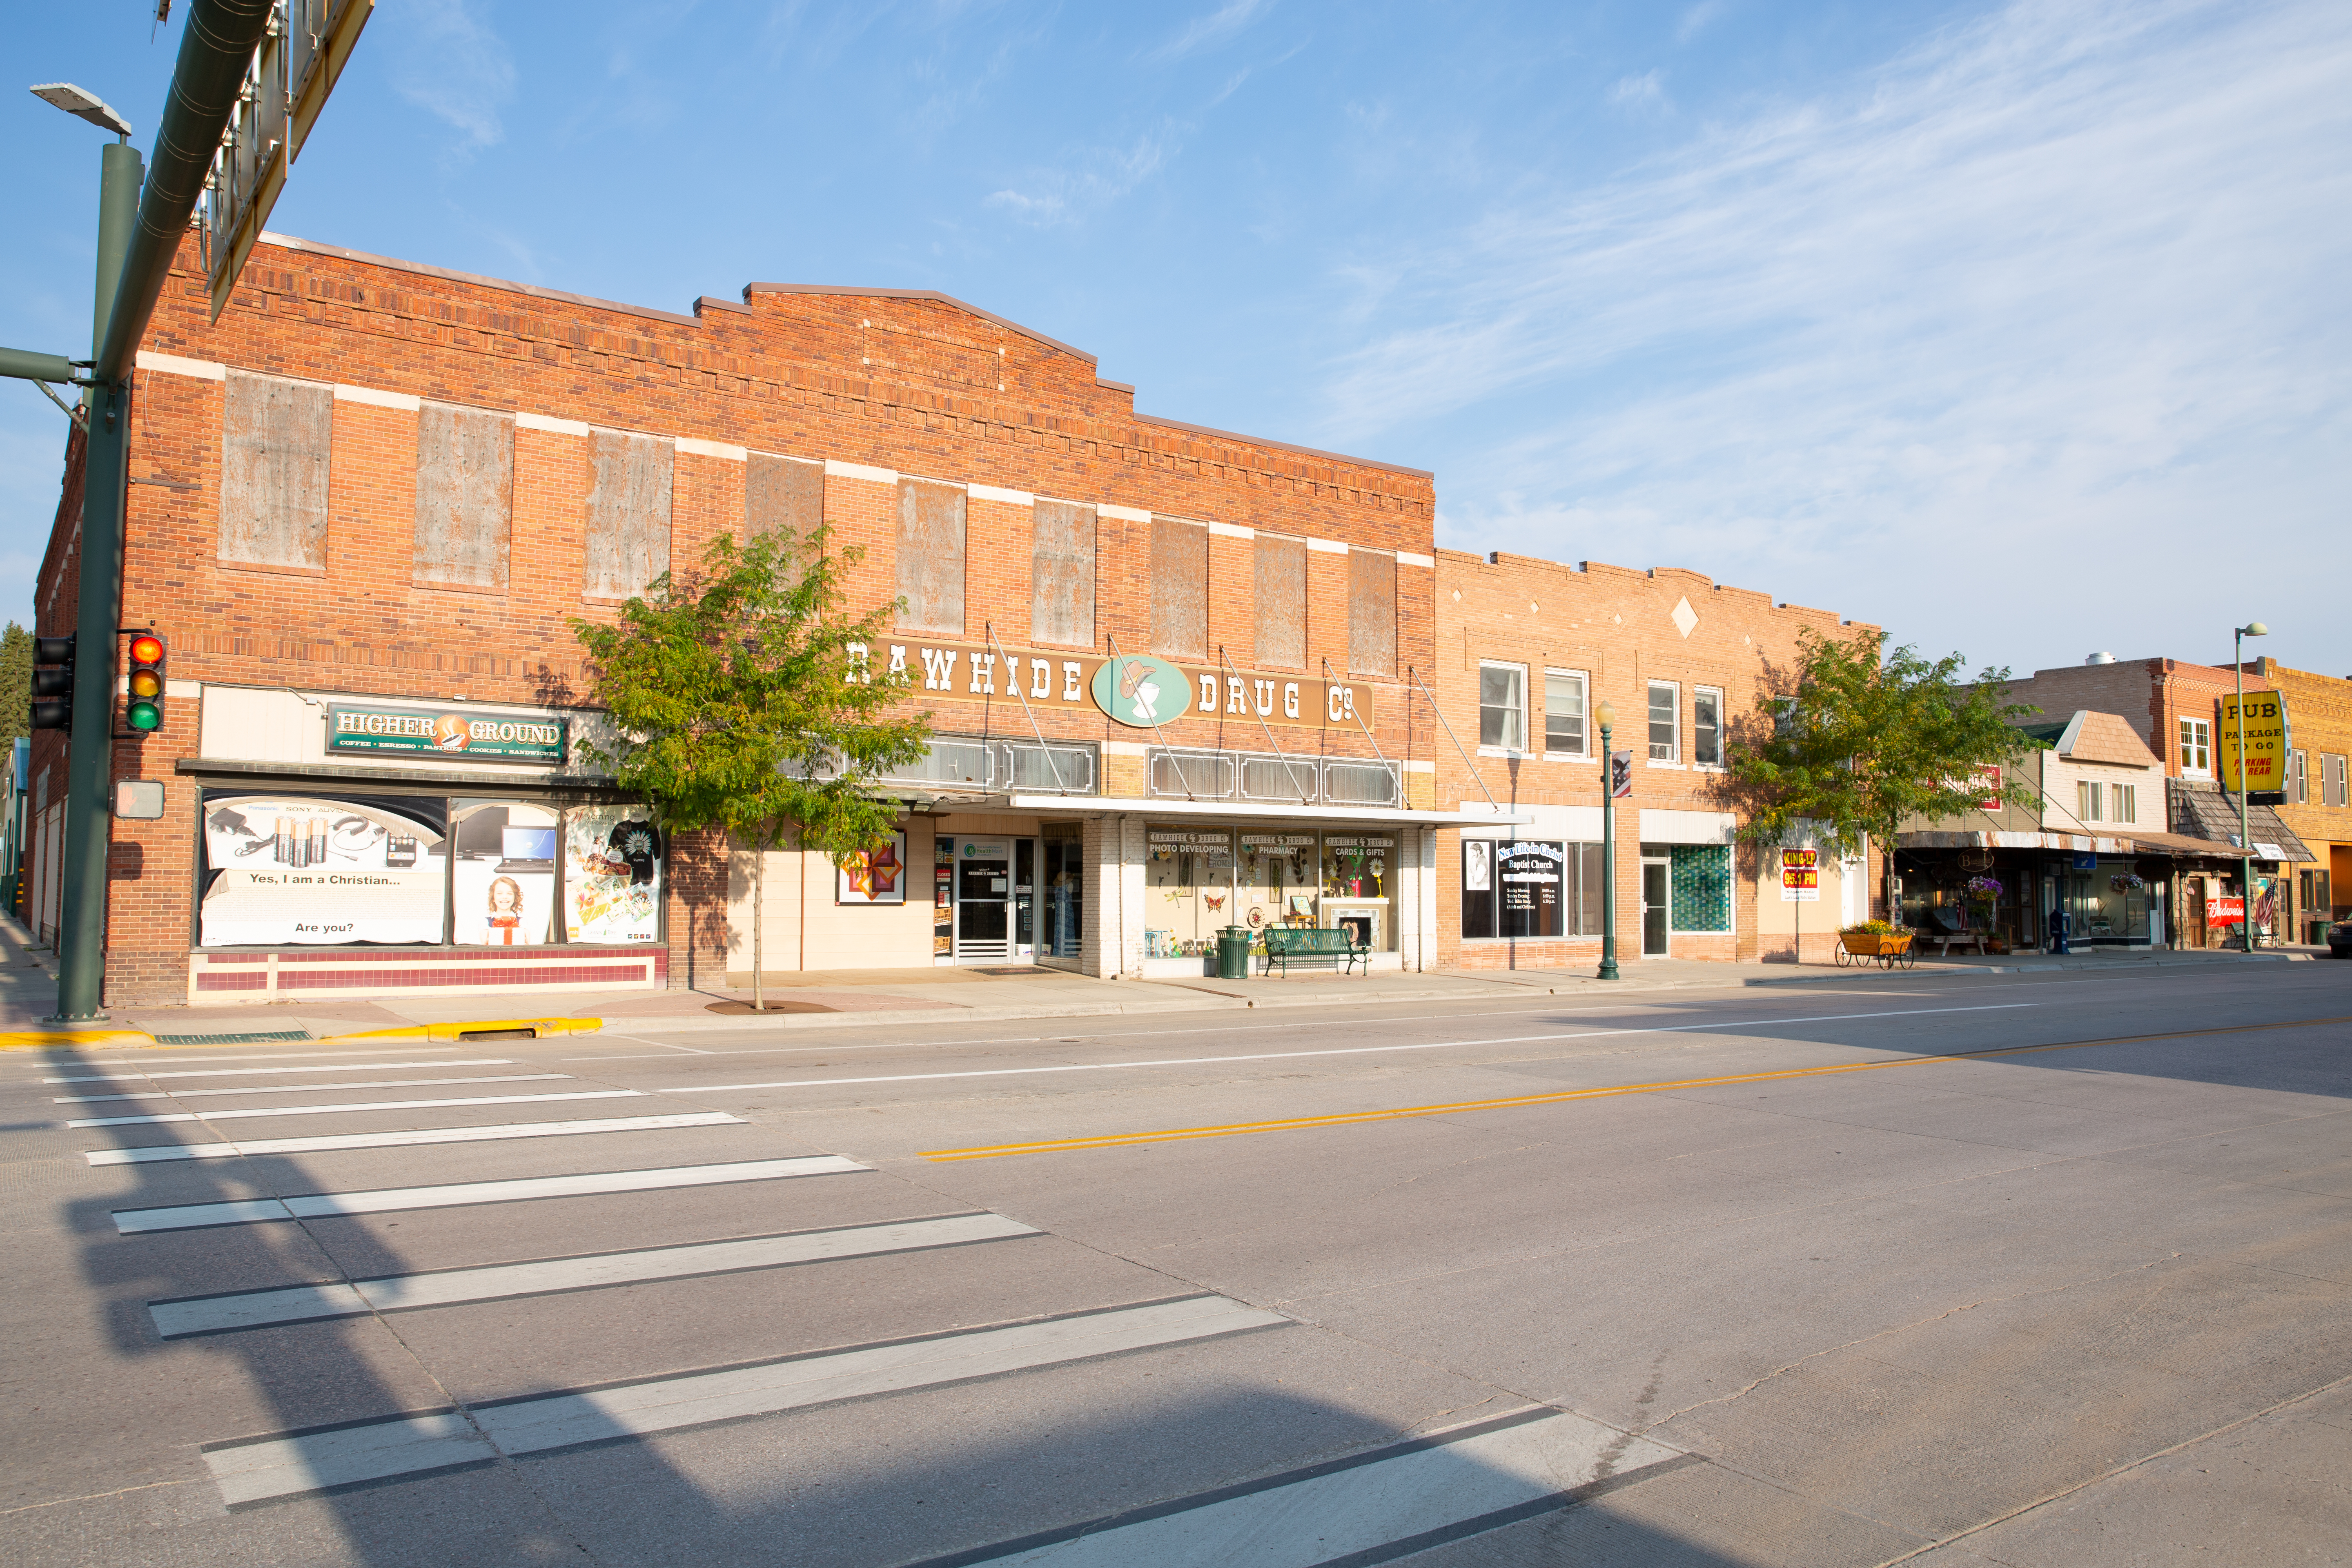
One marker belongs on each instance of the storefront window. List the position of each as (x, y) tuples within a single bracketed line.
[(1065, 896), (502, 873), (1357, 872), (1700, 876), (1521, 887), (1276, 880), (612, 875), (1188, 889), (314, 871)]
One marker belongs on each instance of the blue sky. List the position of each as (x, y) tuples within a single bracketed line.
[(2020, 330)]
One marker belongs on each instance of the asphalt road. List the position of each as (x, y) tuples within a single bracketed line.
[(2029, 1270)]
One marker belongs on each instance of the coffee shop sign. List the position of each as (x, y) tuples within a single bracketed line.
[(1137, 690)]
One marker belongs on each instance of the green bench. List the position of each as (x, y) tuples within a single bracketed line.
[(1314, 944)]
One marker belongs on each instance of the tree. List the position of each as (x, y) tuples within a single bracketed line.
[(1864, 742), (16, 681), (741, 698)]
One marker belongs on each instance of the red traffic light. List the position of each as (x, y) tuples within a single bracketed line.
[(146, 650), (146, 681)]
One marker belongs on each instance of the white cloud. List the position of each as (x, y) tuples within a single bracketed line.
[(2049, 307), (1207, 32), (1696, 20), (1644, 91), (451, 62), (1098, 178)]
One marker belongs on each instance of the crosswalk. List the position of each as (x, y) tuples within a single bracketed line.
[(497, 1230)]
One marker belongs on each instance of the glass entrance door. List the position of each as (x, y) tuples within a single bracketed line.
[(1655, 908), (984, 904)]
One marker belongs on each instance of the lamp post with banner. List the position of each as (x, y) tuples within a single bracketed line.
[(1616, 779), (2238, 635)]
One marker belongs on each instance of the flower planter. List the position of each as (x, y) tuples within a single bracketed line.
[(1885, 948)]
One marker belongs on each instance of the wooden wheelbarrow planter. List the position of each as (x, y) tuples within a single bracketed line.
[(1887, 950)]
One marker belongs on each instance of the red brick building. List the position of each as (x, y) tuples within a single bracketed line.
[(1179, 679)]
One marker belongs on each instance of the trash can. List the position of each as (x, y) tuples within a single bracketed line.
[(1233, 951)]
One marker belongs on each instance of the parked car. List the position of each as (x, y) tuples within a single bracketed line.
[(2339, 940)]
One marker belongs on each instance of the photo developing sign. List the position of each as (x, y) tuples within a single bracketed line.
[(472, 737)]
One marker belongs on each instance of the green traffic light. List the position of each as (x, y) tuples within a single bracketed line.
[(145, 716)]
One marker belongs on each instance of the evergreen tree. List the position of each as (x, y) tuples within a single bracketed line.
[(15, 682), (743, 698)]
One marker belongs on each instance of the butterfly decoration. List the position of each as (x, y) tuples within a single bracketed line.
[(1216, 901)]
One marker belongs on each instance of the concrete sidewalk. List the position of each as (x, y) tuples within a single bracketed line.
[(931, 996)]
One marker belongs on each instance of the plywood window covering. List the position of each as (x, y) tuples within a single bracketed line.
[(1281, 589), (275, 443), (1061, 574), (1372, 612), (465, 495), (628, 511), (782, 495), (930, 556), (1180, 588)]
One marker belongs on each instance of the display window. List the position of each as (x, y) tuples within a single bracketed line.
[(1188, 889), (1357, 872), (502, 873), (612, 875), (306, 871), (1520, 888), (1275, 881)]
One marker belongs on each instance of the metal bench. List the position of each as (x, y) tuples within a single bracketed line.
[(1314, 944)]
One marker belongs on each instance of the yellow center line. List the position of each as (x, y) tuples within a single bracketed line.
[(1353, 1118)]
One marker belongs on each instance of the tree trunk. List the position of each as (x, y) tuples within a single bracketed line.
[(759, 901)]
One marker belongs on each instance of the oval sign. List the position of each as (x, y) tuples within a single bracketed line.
[(1140, 691)]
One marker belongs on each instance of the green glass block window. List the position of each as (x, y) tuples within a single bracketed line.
[(1702, 886)]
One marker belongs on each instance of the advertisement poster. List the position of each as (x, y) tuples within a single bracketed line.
[(1533, 876), (612, 875), (502, 874), (1800, 876), (288, 870), (2260, 720), (876, 876)]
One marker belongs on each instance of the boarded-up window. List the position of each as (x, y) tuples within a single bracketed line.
[(465, 495), (1372, 612), (1281, 602), (1061, 574), (628, 511), (275, 441), (782, 495), (1180, 588), (930, 556)]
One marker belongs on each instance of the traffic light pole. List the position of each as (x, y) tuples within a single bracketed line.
[(89, 752)]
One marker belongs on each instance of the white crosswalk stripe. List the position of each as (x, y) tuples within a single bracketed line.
[(405, 1293), (224, 1151), (146, 1121), (284, 1466), (466, 1194), (306, 1088), (133, 1072)]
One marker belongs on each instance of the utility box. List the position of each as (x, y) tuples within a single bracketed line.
[(139, 800)]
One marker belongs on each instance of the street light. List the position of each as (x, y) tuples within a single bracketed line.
[(1608, 717), (84, 104), (2245, 835)]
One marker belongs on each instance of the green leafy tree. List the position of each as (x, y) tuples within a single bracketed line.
[(741, 698), (15, 681), (1864, 739)]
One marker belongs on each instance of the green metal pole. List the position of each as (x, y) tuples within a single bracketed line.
[(1608, 857), (89, 755), (2245, 833)]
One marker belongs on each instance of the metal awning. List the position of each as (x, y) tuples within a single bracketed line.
[(1260, 811)]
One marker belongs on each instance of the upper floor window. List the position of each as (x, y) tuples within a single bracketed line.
[(2298, 777), (1563, 713), (1503, 707), (1665, 721), (2333, 783), (2195, 746), (2087, 801), (1707, 727), (2126, 802)]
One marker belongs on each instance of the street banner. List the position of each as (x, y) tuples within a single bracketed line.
[(2268, 741), (1621, 774), (1800, 876)]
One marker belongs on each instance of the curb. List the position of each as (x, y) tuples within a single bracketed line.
[(472, 1029), (34, 1039)]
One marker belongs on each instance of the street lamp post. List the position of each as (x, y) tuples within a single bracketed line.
[(2238, 635), (1608, 717)]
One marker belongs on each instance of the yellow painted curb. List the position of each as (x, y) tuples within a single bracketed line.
[(34, 1039), (479, 1028)]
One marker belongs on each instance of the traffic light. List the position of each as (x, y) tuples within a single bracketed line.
[(53, 677), (145, 712)]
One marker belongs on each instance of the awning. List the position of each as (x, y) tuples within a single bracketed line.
[(2064, 843), (2182, 847), (1259, 811)]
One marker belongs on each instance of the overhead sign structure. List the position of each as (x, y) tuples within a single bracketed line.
[(1800, 876), (291, 75), (2268, 738)]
